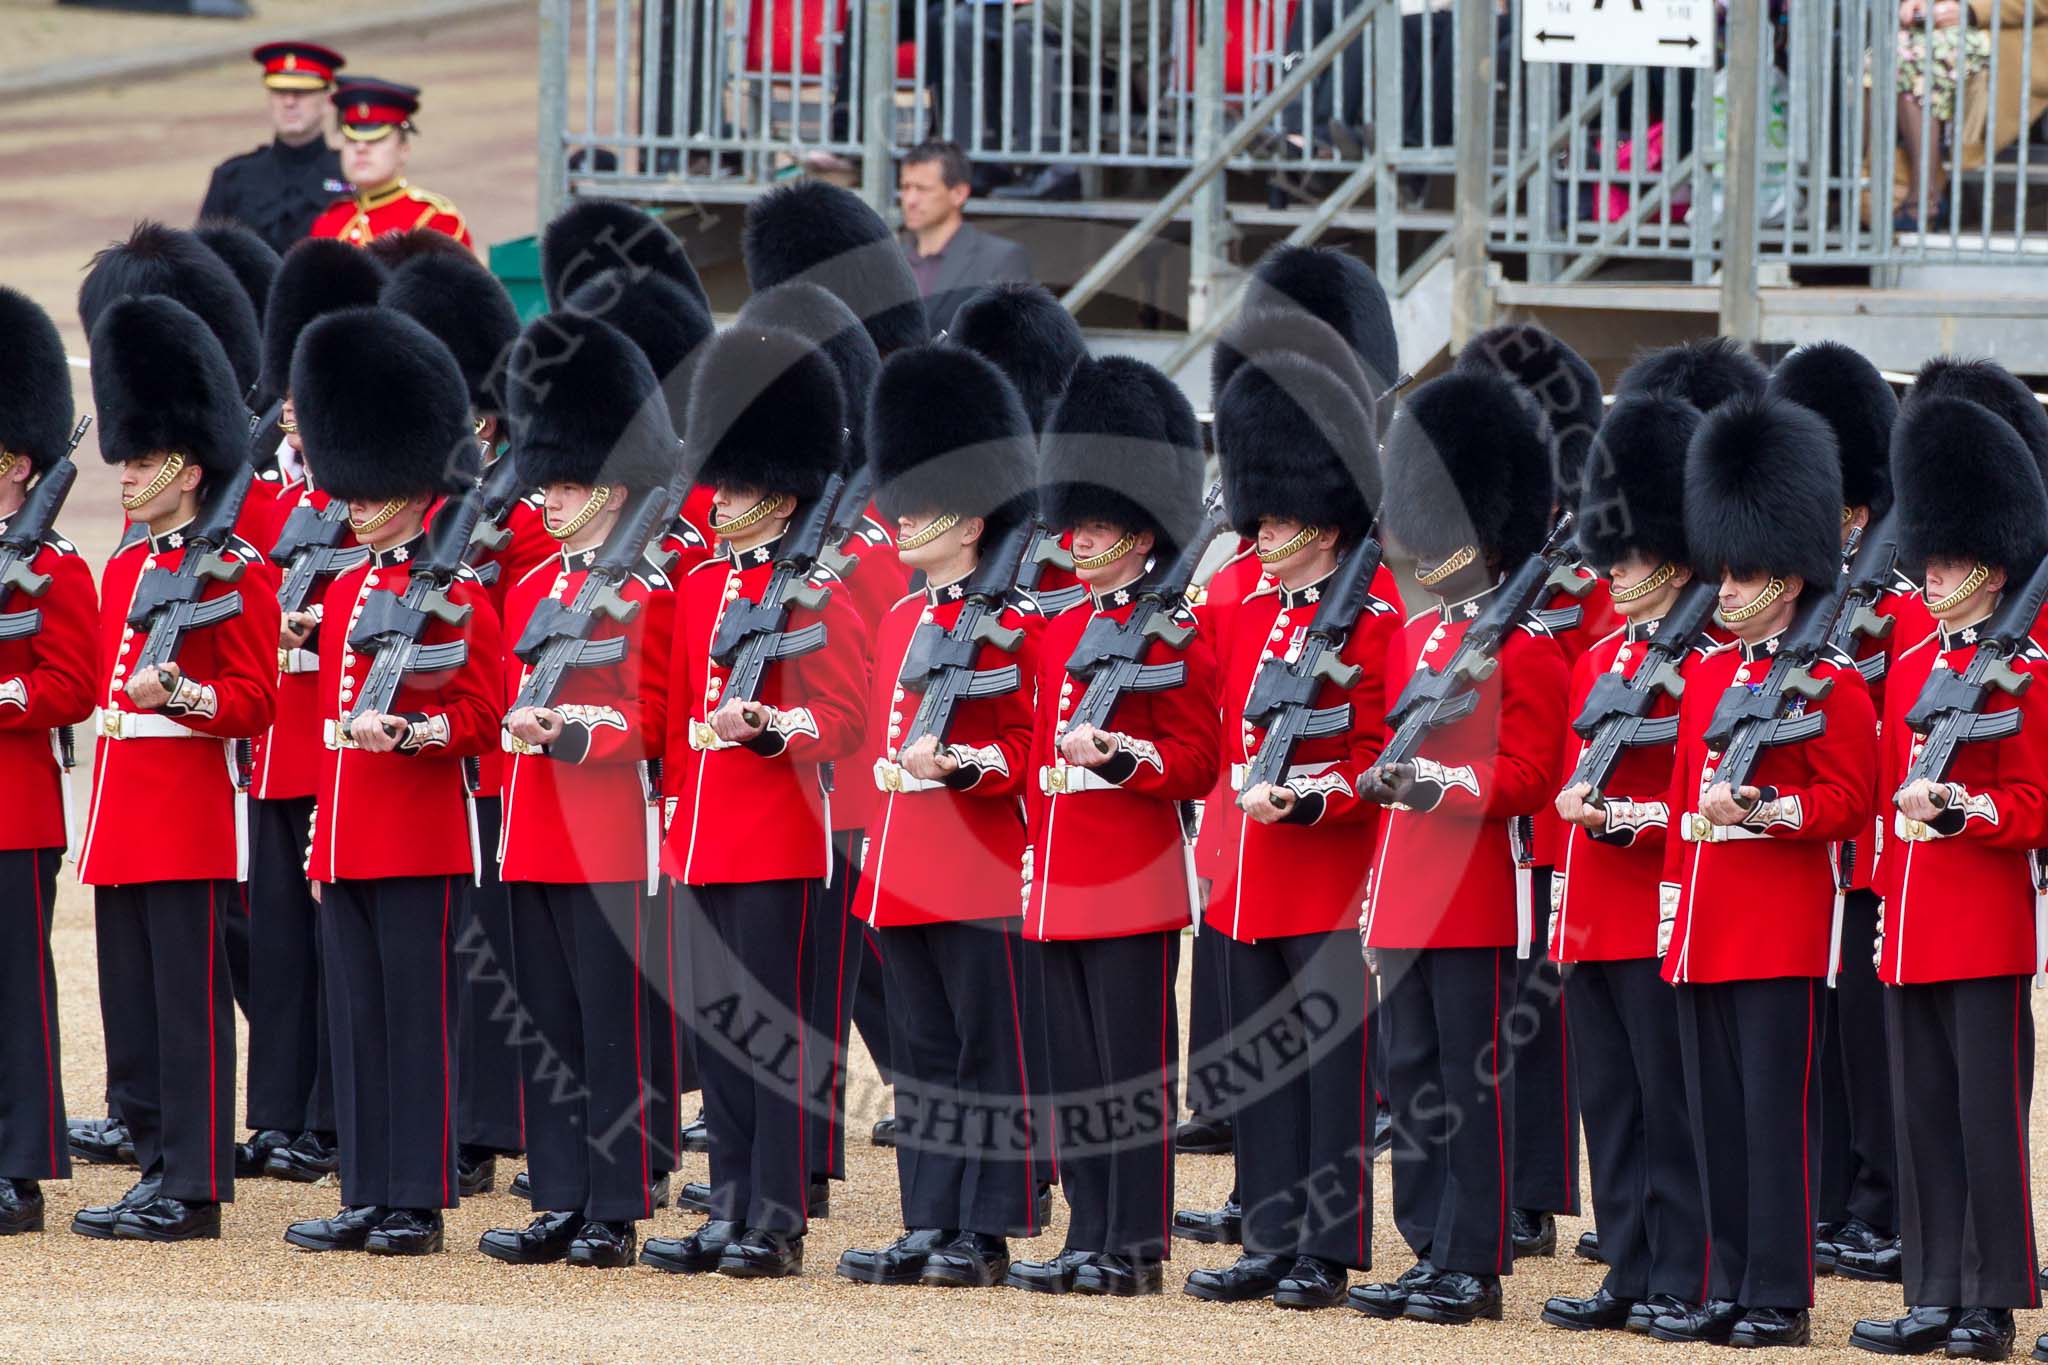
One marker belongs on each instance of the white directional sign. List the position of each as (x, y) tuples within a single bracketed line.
[(1620, 32)]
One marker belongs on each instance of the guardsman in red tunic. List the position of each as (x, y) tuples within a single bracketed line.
[(582, 829), (382, 410), (946, 835), (1469, 493), (1300, 474), (170, 414), (1749, 887), (46, 687), (1110, 884), (1963, 926), (468, 310), (375, 117), (751, 833), (1603, 927)]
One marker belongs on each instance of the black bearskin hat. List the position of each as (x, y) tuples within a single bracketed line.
[(1849, 394), (1633, 498), (35, 383), (1334, 287), (1987, 384), (1029, 335), (1123, 447), (806, 310), (1763, 492), (1560, 381), (1295, 442), (1705, 373), (319, 275), (1468, 463), (171, 261), (162, 382), (766, 412), (595, 235), (462, 303), (382, 408), (253, 260), (819, 232), (587, 409), (393, 249), (1969, 488), (1266, 331), (947, 433), (666, 321)]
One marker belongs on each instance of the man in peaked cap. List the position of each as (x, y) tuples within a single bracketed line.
[(375, 117), (581, 839), (750, 835), (947, 837), (171, 416), (46, 686), (1107, 889), (1646, 1191), (1468, 493), (1301, 480), (278, 190), (380, 406), (1961, 930), (1748, 887), (819, 232)]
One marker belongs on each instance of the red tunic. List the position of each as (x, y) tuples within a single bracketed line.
[(131, 834), (1108, 856), (1911, 625), (945, 852), (46, 682), (1961, 904), (399, 209), (405, 813), (529, 545), (288, 754), (1597, 620), (751, 813), (580, 810), (1301, 877), (1758, 902), (874, 585), (1445, 878), (1236, 579)]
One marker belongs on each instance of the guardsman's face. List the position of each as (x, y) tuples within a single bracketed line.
[(1739, 592), (1945, 577), (373, 165), (295, 114), (139, 473), (288, 420), (1093, 538), (730, 501), (943, 549), (1630, 573)]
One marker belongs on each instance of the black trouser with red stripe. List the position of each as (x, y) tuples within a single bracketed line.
[(1646, 1182), (1545, 1159), (1045, 1158), (1444, 1015), (1963, 1085), (488, 1098), (1751, 1051), (591, 1112), (831, 984), (671, 1072), (1208, 1021), (1297, 1047), (1858, 1164), (32, 1145), (289, 1063), (747, 951), (1114, 1038), (964, 1149), (389, 949), (170, 1027), (871, 999)]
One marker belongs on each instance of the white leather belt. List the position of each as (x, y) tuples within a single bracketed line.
[(1912, 831), (512, 744), (335, 735), (142, 725), (298, 661), (1698, 829), (704, 739), (1065, 781), (891, 777), (1238, 771)]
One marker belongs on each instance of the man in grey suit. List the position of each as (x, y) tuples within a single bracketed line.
[(949, 256)]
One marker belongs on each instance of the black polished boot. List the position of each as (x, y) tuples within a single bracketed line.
[(972, 1260), (100, 1142), (1981, 1334), (346, 1231), (1588, 1247), (1221, 1227), (883, 1134), (1456, 1298), (1600, 1312), (476, 1171), (763, 1255), (1312, 1282), (1534, 1232), (1647, 1311), (1055, 1276), (164, 1219), (1389, 1298), (307, 1158), (696, 1135), (900, 1262), (1885, 1262), (406, 1232), (1771, 1327), (1120, 1277), (253, 1156), (1710, 1322), (657, 1190), (695, 1196), (522, 1187), (542, 1242), (1383, 1131), (1201, 1136), (97, 1220), (1922, 1331), (1246, 1279), (21, 1207), (603, 1245), (693, 1255)]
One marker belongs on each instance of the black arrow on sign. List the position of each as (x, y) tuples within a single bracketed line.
[(1688, 41), (1543, 37)]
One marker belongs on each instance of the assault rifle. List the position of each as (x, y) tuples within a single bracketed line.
[(1045, 551), (309, 549), (940, 663), (1869, 577), (847, 515), (168, 601), (392, 627), (1952, 707), (1617, 716), (752, 635), (500, 492), (23, 540)]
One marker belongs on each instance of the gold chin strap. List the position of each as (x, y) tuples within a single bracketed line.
[(287, 428), (1757, 605), (1963, 592), (599, 496), (173, 466), (1461, 560), (929, 533), (1293, 547), (1109, 556), (383, 514), (754, 515), (8, 459), (1664, 574), (1848, 515)]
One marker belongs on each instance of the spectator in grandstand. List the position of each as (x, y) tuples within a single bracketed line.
[(950, 257)]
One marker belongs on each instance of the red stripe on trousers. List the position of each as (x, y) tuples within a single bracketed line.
[(803, 1135), (1500, 1136), (2019, 1119), (42, 960), (447, 1099), (839, 998), (1024, 1088), (1806, 1138), (1165, 1087), (1365, 1107), (213, 942), (639, 1075)]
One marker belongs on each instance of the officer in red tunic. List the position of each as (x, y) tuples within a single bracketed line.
[(171, 417), (751, 833), (1301, 477), (1962, 925), (381, 407), (1603, 925), (1109, 883), (1748, 887), (1468, 492), (581, 836), (947, 833), (46, 686), (375, 117)]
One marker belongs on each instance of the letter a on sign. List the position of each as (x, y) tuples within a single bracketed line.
[(1619, 32)]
